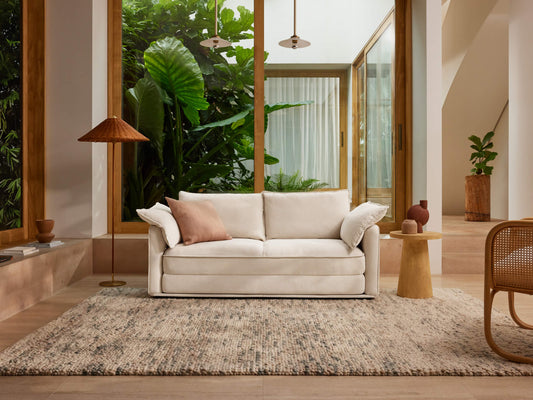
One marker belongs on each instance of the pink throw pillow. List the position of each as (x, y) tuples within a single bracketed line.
[(198, 221)]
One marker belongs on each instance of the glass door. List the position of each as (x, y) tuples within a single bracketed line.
[(378, 171)]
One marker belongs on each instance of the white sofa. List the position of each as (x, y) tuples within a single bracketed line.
[(284, 245)]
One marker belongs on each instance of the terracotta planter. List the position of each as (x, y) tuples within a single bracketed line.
[(477, 198), (44, 226)]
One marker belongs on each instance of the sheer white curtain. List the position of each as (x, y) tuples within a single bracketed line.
[(304, 138)]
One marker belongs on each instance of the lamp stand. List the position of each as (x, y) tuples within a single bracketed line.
[(112, 282)]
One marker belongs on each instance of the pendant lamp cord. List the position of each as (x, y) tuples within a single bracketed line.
[(216, 17), (294, 17)]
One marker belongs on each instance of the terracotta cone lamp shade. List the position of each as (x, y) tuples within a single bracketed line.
[(113, 130)]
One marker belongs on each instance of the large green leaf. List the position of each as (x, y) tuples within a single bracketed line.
[(173, 67), (225, 122), (280, 106), (147, 104)]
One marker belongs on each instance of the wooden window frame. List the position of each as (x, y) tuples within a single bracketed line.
[(33, 114), (402, 112), (402, 12), (342, 74)]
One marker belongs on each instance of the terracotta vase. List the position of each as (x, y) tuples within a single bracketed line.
[(409, 226), (44, 226), (420, 214)]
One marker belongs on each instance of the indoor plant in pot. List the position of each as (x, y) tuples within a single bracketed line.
[(477, 185)]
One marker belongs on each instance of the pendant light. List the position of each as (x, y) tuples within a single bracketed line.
[(294, 42), (215, 42)]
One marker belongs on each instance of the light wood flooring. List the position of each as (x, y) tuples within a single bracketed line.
[(248, 387)]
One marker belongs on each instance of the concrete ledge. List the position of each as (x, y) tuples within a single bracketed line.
[(131, 254), (27, 280)]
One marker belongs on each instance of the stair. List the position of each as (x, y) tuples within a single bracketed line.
[(463, 245)]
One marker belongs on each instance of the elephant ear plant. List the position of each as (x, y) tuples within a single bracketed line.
[(173, 89), (482, 154)]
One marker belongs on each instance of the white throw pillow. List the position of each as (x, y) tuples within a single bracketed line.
[(161, 216), (359, 220), (241, 213), (305, 215)]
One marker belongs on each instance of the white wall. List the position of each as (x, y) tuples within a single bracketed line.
[(499, 181), (462, 23), (475, 99), (427, 122), (520, 106), (76, 76)]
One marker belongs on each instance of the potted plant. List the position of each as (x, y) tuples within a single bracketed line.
[(477, 185)]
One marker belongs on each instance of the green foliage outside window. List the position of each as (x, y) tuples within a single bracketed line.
[(10, 115), (194, 105)]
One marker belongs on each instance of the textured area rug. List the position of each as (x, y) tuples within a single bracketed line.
[(123, 331)]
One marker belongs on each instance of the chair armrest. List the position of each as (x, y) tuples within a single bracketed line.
[(156, 249), (370, 246)]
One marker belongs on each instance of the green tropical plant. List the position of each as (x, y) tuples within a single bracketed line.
[(482, 154), (10, 116), (291, 183), (171, 91), (227, 92), (194, 104)]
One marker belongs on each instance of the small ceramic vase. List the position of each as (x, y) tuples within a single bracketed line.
[(44, 226), (409, 226), (420, 214)]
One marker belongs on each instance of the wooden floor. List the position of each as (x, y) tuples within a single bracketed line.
[(249, 387)]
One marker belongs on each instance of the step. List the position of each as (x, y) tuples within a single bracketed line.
[(24, 281), (463, 263)]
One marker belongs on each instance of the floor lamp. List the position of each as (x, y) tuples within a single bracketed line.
[(113, 130)]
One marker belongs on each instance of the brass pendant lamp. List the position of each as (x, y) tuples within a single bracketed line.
[(215, 42), (294, 42)]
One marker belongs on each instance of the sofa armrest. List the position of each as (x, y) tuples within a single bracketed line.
[(156, 249), (370, 246)]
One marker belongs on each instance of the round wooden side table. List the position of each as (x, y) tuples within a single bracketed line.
[(415, 274)]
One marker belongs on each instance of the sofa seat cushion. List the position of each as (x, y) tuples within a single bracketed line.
[(309, 248), (225, 248), (241, 213), (319, 257), (308, 215)]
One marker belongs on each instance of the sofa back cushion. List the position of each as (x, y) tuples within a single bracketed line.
[(241, 213), (309, 215)]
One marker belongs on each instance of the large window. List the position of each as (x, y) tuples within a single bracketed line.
[(379, 122), (10, 114), (233, 138), (21, 154), (195, 104), (308, 137)]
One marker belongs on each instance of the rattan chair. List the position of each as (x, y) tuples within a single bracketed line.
[(509, 268)]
